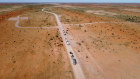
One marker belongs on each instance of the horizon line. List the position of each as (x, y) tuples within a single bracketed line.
[(72, 2)]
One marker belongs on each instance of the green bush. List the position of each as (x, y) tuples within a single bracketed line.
[(129, 18)]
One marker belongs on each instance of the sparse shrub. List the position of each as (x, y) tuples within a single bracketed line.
[(56, 35), (82, 41), (80, 25), (78, 50), (129, 18), (126, 43), (79, 43), (85, 30), (112, 33)]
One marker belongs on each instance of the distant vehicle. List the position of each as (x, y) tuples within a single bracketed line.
[(64, 32), (71, 53), (74, 61), (66, 39), (72, 56), (67, 43)]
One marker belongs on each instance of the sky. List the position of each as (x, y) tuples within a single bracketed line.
[(82, 1)]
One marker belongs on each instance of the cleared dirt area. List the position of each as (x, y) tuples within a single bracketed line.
[(133, 10), (32, 53), (101, 12)]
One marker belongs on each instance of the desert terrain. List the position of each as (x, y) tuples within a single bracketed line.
[(32, 53), (103, 38)]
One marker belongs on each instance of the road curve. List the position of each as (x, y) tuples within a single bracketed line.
[(18, 21), (78, 73)]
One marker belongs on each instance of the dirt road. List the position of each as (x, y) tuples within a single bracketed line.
[(20, 18), (78, 73)]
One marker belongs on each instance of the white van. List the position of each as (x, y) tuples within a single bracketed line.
[(67, 43)]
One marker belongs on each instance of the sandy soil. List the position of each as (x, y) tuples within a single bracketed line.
[(15, 13), (10, 8), (32, 54), (107, 51), (73, 17), (115, 8), (104, 50), (37, 18)]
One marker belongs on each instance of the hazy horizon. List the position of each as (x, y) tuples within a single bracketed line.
[(72, 1)]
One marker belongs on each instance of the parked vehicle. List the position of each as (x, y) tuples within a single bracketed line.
[(74, 61), (71, 53), (64, 32), (67, 43), (66, 39), (72, 56)]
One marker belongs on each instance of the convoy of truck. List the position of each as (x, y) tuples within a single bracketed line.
[(72, 55)]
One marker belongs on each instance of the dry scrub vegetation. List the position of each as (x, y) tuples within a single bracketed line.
[(32, 53), (115, 48), (70, 16), (6, 15), (5, 8), (37, 18), (106, 50), (107, 12)]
